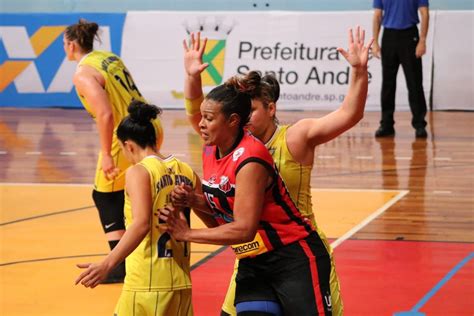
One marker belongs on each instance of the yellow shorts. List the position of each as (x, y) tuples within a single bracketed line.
[(160, 303), (336, 299), (101, 183)]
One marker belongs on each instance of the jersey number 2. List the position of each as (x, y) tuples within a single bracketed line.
[(164, 252)]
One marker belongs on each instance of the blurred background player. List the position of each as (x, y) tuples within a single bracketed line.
[(401, 44), (158, 267), (105, 88), (292, 146)]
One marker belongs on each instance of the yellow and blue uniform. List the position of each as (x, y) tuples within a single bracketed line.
[(297, 179), (157, 278), (121, 90)]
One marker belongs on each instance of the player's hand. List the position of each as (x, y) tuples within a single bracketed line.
[(420, 48), (376, 51), (177, 225), (93, 275), (182, 196), (357, 54), (193, 64), (108, 167)]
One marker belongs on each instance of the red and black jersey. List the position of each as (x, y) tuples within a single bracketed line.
[(281, 222)]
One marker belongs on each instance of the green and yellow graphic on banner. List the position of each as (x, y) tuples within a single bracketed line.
[(214, 55)]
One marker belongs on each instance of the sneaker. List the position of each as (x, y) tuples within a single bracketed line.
[(420, 132), (385, 132)]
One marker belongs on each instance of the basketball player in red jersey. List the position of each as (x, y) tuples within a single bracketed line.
[(284, 266)]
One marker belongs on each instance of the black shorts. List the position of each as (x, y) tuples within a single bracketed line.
[(295, 275)]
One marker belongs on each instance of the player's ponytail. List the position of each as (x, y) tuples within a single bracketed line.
[(137, 126)]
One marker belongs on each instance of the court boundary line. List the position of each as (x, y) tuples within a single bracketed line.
[(370, 218), (210, 256), (47, 214), (443, 281), (415, 309), (91, 255), (51, 259)]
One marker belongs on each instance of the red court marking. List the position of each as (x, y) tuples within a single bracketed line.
[(456, 297), (210, 281), (377, 278), (384, 277)]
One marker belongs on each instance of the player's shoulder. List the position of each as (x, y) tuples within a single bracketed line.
[(176, 165), (138, 172), (249, 147)]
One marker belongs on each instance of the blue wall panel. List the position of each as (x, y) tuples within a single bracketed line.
[(48, 62)]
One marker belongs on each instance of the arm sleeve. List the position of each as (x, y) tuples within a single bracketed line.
[(379, 5), (193, 106), (423, 3)]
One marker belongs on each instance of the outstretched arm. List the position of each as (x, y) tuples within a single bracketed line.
[(313, 131), (193, 67)]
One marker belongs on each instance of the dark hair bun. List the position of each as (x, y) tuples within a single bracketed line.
[(88, 27), (84, 33), (142, 113)]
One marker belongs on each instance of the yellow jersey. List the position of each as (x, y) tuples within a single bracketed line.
[(121, 90), (160, 263), (297, 177)]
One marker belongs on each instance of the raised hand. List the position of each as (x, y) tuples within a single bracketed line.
[(357, 54), (193, 64)]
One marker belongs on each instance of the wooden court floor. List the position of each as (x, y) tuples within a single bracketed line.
[(399, 212)]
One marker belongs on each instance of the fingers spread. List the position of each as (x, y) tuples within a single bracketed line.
[(351, 37), (185, 46), (198, 41), (362, 40), (343, 52), (192, 41), (203, 46)]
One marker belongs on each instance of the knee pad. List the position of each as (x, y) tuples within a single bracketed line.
[(259, 308), (110, 207)]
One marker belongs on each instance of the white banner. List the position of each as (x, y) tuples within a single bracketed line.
[(299, 48), (453, 86)]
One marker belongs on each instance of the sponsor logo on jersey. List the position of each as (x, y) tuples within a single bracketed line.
[(212, 179), (244, 248), (237, 153), (250, 249), (224, 184)]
